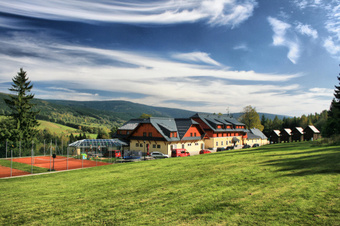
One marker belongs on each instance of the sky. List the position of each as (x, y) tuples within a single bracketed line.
[(218, 56)]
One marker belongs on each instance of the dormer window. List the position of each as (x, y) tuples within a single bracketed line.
[(173, 134)]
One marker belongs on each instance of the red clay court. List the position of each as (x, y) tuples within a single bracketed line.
[(60, 163), (6, 172)]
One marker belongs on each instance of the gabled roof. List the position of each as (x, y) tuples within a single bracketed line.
[(288, 131), (131, 124), (299, 129), (213, 120), (258, 133), (277, 132), (313, 128), (165, 126), (183, 125), (251, 135)]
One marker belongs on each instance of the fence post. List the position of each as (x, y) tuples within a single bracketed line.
[(11, 160), (32, 159), (50, 155)]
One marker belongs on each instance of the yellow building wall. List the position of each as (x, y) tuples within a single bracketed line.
[(256, 141), (221, 142), (165, 147)]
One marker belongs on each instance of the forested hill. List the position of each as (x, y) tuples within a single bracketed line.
[(94, 113), (100, 113), (133, 110)]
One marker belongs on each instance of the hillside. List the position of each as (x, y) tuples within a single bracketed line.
[(96, 114), (281, 184)]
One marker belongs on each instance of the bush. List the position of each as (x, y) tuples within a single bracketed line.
[(333, 140)]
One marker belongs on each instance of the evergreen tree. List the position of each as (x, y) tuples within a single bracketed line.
[(333, 122), (21, 108)]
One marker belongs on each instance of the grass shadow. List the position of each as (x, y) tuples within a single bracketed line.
[(322, 161)]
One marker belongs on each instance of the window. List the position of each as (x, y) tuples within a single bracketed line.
[(196, 144), (137, 145), (191, 134), (150, 134), (154, 146), (222, 143), (128, 132), (217, 143), (189, 144), (158, 146), (144, 134), (140, 145), (194, 134)]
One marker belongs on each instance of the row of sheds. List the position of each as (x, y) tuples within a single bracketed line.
[(296, 134)]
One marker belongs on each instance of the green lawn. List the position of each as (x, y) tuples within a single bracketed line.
[(282, 184), (56, 128)]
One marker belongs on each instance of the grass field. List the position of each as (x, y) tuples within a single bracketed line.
[(56, 128), (282, 184)]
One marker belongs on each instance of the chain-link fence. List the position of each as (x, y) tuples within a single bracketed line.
[(22, 158)]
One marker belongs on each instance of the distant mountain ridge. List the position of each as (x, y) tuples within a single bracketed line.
[(106, 113)]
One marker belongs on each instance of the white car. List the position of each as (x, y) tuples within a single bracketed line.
[(158, 155)]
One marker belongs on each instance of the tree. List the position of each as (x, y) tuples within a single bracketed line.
[(333, 121), (251, 118), (20, 104), (145, 116)]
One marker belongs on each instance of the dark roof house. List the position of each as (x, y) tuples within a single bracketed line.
[(297, 134), (286, 135), (311, 133), (275, 136)]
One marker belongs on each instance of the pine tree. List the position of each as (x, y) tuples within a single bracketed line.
[(21, 108), (333, 122), (337, 95)]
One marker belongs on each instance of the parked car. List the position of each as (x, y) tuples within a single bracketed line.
[(220, 149), (230, 148), (159, 155), (179, 153), (204, 151), (256, 145), (113, 153), (246, 146)]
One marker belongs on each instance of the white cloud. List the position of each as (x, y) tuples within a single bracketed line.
[(241, 47), (198, 57), (307, 29), (302, 4), (228, 12), (217, 12), (280, 38), (331, 47), (156, 79)]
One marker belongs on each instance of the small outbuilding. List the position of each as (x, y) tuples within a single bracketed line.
[(255, 137), (297, 134), (275, 136), (311, 133), (286, 135)]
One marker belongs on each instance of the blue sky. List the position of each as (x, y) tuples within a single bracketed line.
[(281, 57)]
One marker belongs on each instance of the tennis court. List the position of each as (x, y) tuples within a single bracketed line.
[(59, 163), (8, 172)]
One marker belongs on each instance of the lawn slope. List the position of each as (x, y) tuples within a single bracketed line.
[(283, 184)]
